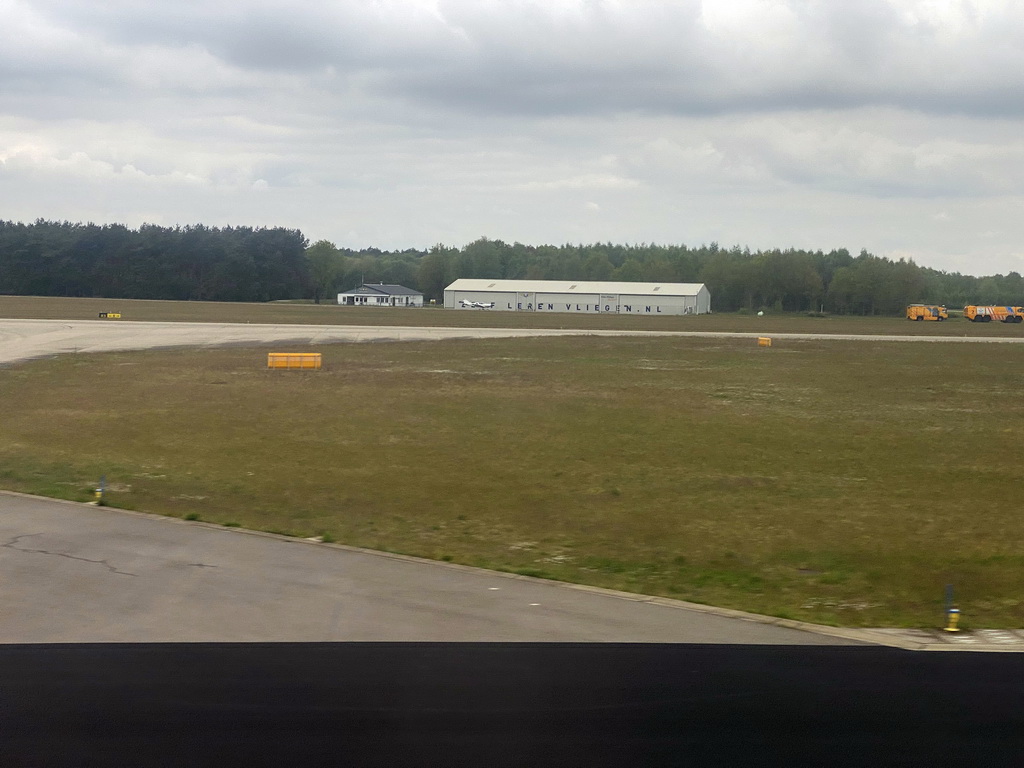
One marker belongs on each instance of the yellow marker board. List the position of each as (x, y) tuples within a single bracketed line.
[(294, 360)]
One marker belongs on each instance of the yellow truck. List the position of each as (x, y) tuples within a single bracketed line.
[(989, 313), (926, 312)]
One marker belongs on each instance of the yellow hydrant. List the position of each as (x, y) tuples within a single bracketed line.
[(953, 615), (99, 491)]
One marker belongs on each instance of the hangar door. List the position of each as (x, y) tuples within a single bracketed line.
[(526, 301)]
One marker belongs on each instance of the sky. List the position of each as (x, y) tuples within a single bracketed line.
[(893, 126)]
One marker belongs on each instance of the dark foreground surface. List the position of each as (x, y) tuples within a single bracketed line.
[(506, 704)]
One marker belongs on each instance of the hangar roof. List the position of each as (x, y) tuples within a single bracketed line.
[(576, 286)]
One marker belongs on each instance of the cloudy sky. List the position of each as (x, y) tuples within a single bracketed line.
[(890, 125)]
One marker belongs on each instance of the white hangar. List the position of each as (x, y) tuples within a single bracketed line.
[(579, 296)]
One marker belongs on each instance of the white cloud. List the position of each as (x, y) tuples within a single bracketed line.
[(588, 181), (760, 122)]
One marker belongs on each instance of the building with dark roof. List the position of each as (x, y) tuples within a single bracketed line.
[(381, 295)]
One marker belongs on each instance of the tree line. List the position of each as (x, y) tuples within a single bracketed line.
[(181, 263), (265, 264)]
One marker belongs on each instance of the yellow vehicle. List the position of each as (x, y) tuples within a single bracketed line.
[(926, 312), (989, 313)]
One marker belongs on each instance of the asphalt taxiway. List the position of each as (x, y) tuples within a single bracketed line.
[(77, 573)]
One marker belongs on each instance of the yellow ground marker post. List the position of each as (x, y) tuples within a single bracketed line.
[(294, 360), (764, 341), (953, 618), (952, 612), (98, 493)]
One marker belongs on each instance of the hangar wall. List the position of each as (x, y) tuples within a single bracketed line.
[(581, 297)]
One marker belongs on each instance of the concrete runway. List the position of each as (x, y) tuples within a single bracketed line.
[(76, 573), (27, 339)]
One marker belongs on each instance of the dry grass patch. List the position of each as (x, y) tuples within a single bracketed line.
[(829, 481)]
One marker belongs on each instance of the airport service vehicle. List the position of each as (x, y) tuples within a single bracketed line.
[(986, 314), (926, 312)]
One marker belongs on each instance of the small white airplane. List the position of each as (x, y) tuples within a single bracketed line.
[(476, 304)]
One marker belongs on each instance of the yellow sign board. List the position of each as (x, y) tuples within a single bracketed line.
[(294, 360), (111, 315)]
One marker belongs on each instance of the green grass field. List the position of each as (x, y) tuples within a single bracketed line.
[(835, 482), (331, 314)]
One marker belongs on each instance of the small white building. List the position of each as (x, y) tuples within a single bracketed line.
[(381, 295), (579, 296)]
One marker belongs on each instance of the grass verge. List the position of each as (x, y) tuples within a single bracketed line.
[(835, 482)]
